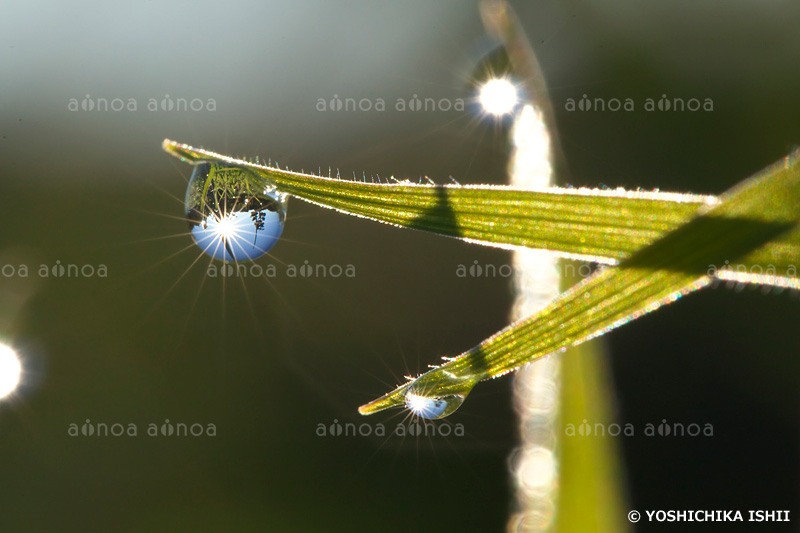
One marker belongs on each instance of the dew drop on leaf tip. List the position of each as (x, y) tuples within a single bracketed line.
[(424, 403), (232, 215), (432, 407)]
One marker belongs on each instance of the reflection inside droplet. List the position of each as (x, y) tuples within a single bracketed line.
[(232, 214), (432, 407), (433, 395)]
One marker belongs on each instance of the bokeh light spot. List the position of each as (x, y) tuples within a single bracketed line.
[(10, 370)]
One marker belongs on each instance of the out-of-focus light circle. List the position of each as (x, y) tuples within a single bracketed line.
[(537, 470), (498, 96), (10, 370)]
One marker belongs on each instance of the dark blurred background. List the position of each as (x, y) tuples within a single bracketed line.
[(273, 364)]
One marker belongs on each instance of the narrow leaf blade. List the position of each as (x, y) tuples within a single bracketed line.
[(750, 215)]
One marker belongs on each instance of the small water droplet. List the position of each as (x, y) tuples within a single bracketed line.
[(238, 218), (433, 396), (433, 407)]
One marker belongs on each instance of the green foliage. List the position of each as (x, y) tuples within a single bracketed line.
[(662, 245)]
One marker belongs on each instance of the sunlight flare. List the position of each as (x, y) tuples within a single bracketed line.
[(498, 96), (10, 370)]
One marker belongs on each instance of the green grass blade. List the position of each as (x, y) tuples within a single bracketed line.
[(749, 216), (601, 226), (590, 488), (665, 244)]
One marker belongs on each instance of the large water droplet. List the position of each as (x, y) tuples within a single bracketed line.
[(233, 215), (433, 395)]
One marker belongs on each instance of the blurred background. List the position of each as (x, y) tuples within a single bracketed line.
[(273, 369)]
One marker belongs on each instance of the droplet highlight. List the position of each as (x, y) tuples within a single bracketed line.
[(433, 407), (435, 395), (233, 215)]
